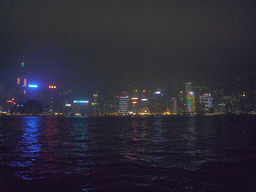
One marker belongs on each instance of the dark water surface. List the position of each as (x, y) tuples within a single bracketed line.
[(128, 153)]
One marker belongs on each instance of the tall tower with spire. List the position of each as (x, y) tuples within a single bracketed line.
[(21, 83)]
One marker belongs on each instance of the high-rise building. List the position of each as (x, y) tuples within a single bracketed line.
[(52, 99), (66, 101), (206, 100), (123, 104), (134, 102), (188, 87), (191, 102), (181, 105), (144, 102), (95, 103), (174, 100), (21, 84), (158, 102), (81, 106), (190, 98)]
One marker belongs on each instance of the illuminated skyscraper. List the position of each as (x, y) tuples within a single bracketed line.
[(158, 102), (206, 100), (123, 104), (192, 102), (144, 102), (174, 99), (21, 83), (96, 108), (190, 98)]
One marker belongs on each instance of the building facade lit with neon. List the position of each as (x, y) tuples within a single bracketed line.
[(190, 98), (33, 86), (192, 102), (80, 101)]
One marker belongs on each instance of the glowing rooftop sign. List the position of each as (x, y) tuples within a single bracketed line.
[(80, 101), (123, 97), (52, 87), (33, 86)]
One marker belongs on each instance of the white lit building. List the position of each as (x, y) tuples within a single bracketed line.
[(206, 100), (123, 104)]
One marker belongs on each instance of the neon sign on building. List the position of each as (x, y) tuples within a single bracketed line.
[(189, 104), (33, 86), (80, 101)]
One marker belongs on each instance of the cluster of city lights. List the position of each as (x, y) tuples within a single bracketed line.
[(80, 101), (34, 85)]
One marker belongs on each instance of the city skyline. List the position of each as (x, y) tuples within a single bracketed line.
[(30, 98)]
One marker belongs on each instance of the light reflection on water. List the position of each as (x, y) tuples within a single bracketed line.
[(29, 146), (57, 146)]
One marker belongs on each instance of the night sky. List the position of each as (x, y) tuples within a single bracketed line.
[(95, 45)]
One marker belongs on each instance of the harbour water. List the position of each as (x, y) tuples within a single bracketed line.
[(155, 153)]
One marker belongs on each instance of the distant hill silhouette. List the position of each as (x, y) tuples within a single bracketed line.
[(33, 107)]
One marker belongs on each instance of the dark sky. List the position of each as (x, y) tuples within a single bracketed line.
[(93, 45)]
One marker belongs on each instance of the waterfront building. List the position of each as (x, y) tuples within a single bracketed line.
[(134, 103), (123, 104), (96, 103), (66, 101), (174, 101), (181, 104), (144, 107), (187, 97), (206, 101), (191, 102), (159, 105), (81, 107), (51, 99), (190, 98)]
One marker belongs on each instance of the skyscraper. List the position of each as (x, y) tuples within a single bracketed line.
[(206, 100), (190, 98), (123, 104), (21, 83), (188, 87)]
